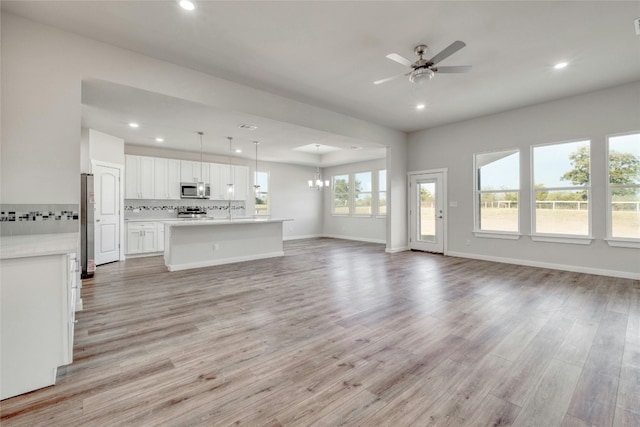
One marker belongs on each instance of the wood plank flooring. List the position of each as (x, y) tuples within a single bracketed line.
[(341, 333)]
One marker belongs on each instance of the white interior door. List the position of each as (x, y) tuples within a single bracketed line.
[(426, 213), (107, 216)]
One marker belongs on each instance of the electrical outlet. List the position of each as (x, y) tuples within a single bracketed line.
[(468, 243)]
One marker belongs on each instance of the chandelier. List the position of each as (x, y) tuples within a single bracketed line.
[(317, 181)]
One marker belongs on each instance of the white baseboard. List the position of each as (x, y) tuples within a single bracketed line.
[(358, 239), (310, 236), (551, 266), (211, 263), (395, 250)]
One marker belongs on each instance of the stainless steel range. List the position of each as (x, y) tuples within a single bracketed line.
[(191, 212)]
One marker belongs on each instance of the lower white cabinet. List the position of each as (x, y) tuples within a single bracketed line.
[(36, 319), (142, 237), (145, 237)]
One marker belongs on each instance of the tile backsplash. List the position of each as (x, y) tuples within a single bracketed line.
[(163, 209), (21, 219)]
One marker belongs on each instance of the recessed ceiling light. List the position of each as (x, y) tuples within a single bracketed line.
[(187, 4), (159, 139), (247, 126), (420, 107), (134, 125), (560, 65), (238, 150)]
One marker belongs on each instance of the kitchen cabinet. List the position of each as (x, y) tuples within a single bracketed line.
[(37, 310), (139, 177), (241, 182), (167, 179), (222, 175), (194, 171), (142, 237)]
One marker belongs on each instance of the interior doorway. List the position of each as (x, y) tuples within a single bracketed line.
[(107, 215)]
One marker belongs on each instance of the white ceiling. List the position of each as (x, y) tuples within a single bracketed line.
[(328, 53)]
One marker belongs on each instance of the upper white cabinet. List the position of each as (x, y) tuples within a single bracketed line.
[(222, 175), (241, 182), (194, 171), (139, 177), (167, 178)]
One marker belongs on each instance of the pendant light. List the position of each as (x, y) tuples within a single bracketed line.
[(256, 186), (317, 181), (230, 183), (200, 188)]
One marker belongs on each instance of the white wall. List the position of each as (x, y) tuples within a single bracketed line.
[(371, 229), (592, 116), (106, 148), (42, 70)]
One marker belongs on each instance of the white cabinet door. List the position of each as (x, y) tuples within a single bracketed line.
[(134, 239), (186, 171), (139, 177), (131, 171), (167, 179), (161, 189), (173, 179), (150, 238), (146, 177), (226, 178), (241, 182)]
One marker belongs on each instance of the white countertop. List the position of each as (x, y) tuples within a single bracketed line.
[(38, 245), (210, 221)]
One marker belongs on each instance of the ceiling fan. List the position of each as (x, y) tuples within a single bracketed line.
[(424, 69)]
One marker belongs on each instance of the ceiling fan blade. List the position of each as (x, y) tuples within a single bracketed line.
[(453, 69), (399, 59), (388, 79), (449, 50)]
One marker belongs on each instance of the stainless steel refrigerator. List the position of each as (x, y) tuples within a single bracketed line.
[(87, 205)]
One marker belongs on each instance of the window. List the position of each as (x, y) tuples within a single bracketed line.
[(561, 186), (497, 191), (624, 186), (262, 193), (382, 192), (362, 196), (341, 195)]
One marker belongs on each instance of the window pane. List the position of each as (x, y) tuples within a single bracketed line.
[(624, 159), (427, 221), (498, 212), (625, 213), (561, 165), (499, 170), (363, 204), (382, 180), (562, 212), (262, 194), (341, 194), (382, 203), (362, 182)]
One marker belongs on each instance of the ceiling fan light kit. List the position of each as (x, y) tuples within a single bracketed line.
[(424, 69)]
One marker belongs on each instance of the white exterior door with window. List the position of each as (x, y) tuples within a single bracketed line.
[(427, 214)]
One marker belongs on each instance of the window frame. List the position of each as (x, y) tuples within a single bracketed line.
[(494, 234), (376, 211), (624, 242), (577, 239), (375, 200)]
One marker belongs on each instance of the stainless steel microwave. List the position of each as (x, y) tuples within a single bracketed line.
[(190, 190)]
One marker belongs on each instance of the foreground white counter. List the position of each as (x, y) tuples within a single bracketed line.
[(206, 242)]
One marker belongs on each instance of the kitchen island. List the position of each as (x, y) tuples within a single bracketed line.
[(206, 242)]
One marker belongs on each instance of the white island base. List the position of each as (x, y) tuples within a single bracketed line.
[(208, 242)]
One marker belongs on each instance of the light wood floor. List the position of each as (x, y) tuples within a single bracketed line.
[(341, 333)]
